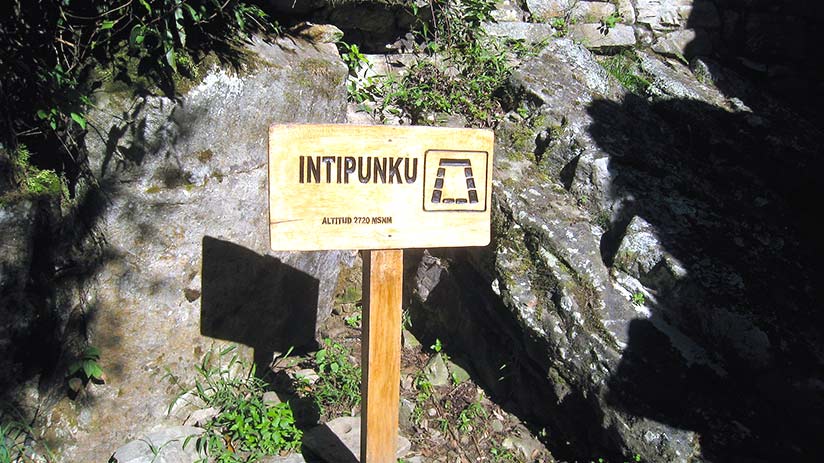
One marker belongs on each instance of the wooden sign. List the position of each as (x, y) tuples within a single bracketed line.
[(378, 187), (382, 188)]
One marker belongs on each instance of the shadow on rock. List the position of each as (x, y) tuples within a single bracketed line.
[(256, 300), (732, 348)]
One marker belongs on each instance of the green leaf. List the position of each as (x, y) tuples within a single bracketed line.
[(146, 5), (53, 124), (74, 368), (107, 25), (192, 13), (92, 369), (239, 17), (42, 114), (181, 31), (171, 59), (137, 35), (81, 121), (91, 352)]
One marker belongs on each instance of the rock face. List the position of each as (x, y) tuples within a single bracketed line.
[(185, 222), (642, 248), (162, 446), (600, 38)]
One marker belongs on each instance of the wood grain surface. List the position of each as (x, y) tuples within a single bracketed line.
[(381, 354), (378, 187)]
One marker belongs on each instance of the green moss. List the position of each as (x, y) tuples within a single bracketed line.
[(153, 189)]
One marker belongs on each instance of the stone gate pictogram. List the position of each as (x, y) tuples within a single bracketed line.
[(455, 181), (437, 192)]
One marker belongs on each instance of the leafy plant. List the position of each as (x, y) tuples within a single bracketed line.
[(468, 416), (339, 380), (424, 387), (437, 347), (17, 443), (354, 320), (501, 454), (85, 369), (466, 73), (245, 428), (55, 53), (35, 181), (609, 22), (561, 26), (638, 298)]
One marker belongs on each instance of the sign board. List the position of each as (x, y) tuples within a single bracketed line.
[(378, 187)]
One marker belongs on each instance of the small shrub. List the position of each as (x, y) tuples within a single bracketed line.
[(245, 429), (339, 380), (87, 368), (469, 415), (17, 442)]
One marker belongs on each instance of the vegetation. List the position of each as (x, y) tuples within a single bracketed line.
[(624, 67), (245, 428), (51, 55), (609, 22), (17, 442), (338, 386), (85, 369), (463, 71)]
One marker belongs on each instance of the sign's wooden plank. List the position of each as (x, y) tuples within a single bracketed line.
[(381, 354), (378, 187)]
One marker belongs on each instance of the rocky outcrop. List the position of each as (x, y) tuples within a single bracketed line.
[(639, 249), (183, 221)]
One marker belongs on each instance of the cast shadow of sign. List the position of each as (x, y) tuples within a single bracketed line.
[(256, 300)]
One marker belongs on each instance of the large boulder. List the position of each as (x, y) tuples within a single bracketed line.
[(651, 287), (183, 218)]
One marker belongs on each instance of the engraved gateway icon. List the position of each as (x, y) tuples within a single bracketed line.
[(455, 181)]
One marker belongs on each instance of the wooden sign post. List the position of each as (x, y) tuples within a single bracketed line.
[(379, 189)]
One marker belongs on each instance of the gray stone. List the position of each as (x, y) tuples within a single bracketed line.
[(507, 11), (660, 15), (542, 10), (338, 441), (317, 33), (591, 12), (436, 371), (456, 372), (271, 398), (291, 458), (201, 417), (497, 425), (597, 37), (428, 275), (409, 340), (681, 43), (162, 446), (525, 445), (528, 32), (405, 420), (675, 80), (626, 10), (17, 222), (186, 202), (641, 255)]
